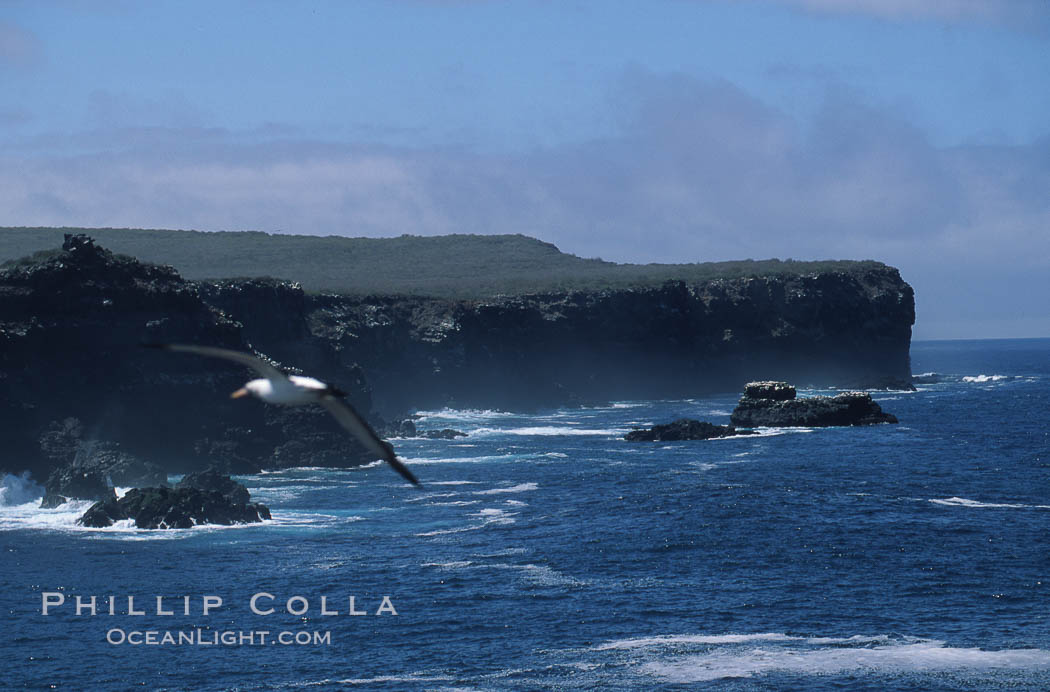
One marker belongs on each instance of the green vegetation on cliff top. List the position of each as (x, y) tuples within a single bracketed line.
[(455, 266)]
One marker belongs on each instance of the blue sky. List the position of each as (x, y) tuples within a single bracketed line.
[(917, 133)]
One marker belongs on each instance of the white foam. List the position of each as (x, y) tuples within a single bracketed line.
[(963, 502), (981, 379), (456, 564), (19, 490), (489, 516), (765, 432), (445, 532), (379, 679), (520, 488), (552, 431), (494, 515), (534, 574), (676, 639), (905, 656), (465, 415), (453, 482), (542, 575), (420, 461), (29, 515), (703, 466)]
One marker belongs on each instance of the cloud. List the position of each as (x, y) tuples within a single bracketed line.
[(701, 170), (1025, 14)]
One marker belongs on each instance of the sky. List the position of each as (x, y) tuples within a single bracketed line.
[(914, 132)]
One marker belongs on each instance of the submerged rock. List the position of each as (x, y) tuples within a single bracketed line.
[(684, 429), (203, 498), (847, 408)]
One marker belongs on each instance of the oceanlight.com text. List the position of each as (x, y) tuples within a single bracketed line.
[(199, 637)]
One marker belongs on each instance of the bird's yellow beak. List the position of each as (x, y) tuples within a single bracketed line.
[(243, 391)]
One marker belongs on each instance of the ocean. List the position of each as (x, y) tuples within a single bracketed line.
[(545, 552)]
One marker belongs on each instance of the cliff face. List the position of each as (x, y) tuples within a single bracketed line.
[(677, 340), (71, 322)]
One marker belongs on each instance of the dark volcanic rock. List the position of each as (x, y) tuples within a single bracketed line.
[(842, 329), (180, 508), (96, 467), (443, 434), (72, 375), (214, 481), (71, 320), (79, 483), (847, 408), (684, 429), (400, 428), (776, 391), (50, 501)]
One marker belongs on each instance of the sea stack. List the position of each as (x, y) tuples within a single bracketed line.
[(775, 404)]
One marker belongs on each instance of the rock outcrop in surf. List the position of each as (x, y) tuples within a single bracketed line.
[(774, 404), (207, 497)]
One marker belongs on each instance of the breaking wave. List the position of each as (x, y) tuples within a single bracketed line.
[(18, 490), (981, 379)]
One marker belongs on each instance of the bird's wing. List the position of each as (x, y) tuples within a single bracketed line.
[(255, 363), (349, 419)]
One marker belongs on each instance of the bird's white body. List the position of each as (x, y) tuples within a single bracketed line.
[(275, 387), (294, 390)]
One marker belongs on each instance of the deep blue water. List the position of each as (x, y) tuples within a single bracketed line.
[(547, 553)]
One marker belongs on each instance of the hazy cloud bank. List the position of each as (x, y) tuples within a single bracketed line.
[(701, 171), (1021, 14)]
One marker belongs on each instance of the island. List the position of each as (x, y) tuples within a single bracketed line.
[(83, 407)]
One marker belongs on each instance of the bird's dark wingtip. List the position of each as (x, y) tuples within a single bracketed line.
[(403, 470)]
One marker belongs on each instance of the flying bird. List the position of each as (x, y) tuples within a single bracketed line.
[(275, 387)]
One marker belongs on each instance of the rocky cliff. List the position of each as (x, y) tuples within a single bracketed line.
[(674, 340), (71, 320), (73, 378)]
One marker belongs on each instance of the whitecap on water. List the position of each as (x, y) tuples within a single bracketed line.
[(420, 461), (688, 659), (540, 575), (454, 503), (520, 488), (963, 502), (552, 431), (981, 379), (489, 516)]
